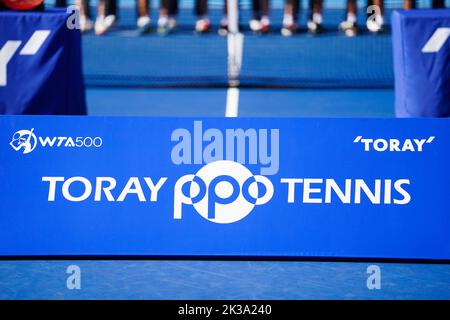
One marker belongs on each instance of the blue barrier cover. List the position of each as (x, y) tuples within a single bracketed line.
[(40, 64), (421, 44), (348, 188)]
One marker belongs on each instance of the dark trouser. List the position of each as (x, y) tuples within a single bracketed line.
[(296, 7), (260, 8), (436, 4), (61, 3), (412, 3), (171, 6), (200, 9), (143, 7), (110, 7)]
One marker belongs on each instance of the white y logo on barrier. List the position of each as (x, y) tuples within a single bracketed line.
[(437, 40), (30, 48)]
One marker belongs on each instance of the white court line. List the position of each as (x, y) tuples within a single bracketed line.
[(232, 108), (235, 51), (235, 43)]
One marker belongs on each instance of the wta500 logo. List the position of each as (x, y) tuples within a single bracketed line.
[(26, 141)]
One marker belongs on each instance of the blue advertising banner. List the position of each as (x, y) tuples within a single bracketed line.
[(421, 45), (329, 188), (40, 63)]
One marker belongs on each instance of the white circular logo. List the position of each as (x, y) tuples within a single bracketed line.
[(223, 191)]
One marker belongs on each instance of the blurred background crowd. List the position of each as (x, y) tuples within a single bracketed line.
[(106, 16)]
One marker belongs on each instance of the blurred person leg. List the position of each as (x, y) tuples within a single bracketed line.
[(111, 7), (315, 19), (260, 21), (438, 4), (349, 26), (290, 17), (167, 16), (223, 27), (202, 25), (265, 20), (256, 9), (173, 8), (173, 13), (86, 23), (143, 13), (255, 24), (409, 4), (61, 3), (375, 16), (105, 21), (163, 19)]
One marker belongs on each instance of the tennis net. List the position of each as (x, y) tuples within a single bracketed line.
[(184, 59)]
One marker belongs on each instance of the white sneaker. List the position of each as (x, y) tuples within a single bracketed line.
[(110, 20), (86, 24), (223, 28), (349, 28), (314, 27), (103, 24), (289, 29), (172, 23), (265, 24), (99, 25), (202, 25), (374, 26), (255, 25), (166, 25), (144, 24)]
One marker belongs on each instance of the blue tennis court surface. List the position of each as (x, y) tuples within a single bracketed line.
[(221, 280), (253, 102), (186, 75)]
